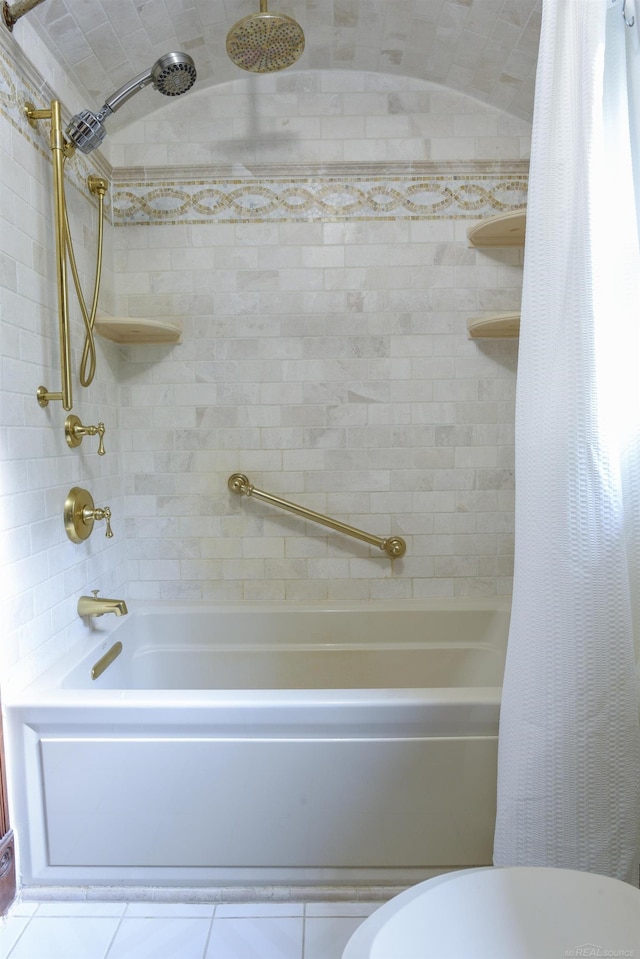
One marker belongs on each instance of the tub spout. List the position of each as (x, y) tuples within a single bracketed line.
[(97, 605)]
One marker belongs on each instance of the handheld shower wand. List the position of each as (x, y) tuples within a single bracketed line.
[(171, 75)]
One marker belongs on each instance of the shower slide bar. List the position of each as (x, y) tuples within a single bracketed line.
[(61, 151), (393, 546)]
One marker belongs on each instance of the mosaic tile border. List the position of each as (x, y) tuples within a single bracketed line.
[(296, 199), (329, 193)]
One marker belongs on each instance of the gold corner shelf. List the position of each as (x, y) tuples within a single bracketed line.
[(138, 329), (495, 326), (507, 229)]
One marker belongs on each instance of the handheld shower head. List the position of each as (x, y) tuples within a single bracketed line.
[(171, 75)]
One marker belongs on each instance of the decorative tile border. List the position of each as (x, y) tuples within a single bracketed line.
[(291, 199), (328, 193)]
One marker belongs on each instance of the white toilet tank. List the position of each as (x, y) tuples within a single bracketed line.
[(505, 913)]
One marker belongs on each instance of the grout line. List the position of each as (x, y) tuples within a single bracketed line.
[(11, 951), (111, 941), (208, 939)]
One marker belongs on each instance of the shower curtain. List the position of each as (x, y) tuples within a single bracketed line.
[(569, 743)]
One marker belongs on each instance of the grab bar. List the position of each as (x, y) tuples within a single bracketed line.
[(393, 546)]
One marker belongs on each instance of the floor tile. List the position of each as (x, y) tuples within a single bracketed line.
[(23, 908), (170, 938), (255, 910), (169, 910), (11, 928), (73, 909), (260, 938), (323, 909), (326, 938), (76, 938)]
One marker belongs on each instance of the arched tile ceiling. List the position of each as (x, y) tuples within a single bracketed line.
[(484, 48)]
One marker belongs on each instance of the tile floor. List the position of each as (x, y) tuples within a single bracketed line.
[(120, 930)]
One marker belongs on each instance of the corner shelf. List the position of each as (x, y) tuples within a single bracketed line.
[(496, 326), (138, 329), (507, 229)]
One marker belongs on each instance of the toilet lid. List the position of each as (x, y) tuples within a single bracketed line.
[(505, 913)]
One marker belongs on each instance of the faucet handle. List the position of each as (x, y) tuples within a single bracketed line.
[(104, 512), (99, 429), (75, 431), (95, 593), (80, 513)]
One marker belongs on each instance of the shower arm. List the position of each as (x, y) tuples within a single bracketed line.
[(393, 546)]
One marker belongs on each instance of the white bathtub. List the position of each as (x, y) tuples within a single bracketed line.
[(267, 744)]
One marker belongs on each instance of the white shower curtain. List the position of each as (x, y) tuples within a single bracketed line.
[(569, 745)]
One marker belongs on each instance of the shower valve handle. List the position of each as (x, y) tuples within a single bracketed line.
[(80, 513), (75, 431), (97, 514)]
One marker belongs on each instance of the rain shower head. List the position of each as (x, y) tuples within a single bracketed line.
[(265, 42), (171, 75)]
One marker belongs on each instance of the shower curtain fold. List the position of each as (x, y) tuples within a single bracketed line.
[(569, 745)]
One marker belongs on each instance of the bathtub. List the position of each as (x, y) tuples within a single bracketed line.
[(263, 744)]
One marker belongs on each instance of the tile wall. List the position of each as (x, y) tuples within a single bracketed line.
[(324, 288), (43, 573), (324, 349)]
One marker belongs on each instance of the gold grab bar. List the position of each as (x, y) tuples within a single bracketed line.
[(393, 546)]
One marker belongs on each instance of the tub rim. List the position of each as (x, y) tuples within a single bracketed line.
[(46, 688)]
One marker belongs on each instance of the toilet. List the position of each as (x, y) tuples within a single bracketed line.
[(518, 912)]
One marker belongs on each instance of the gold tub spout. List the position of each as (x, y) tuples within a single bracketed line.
[(98, 605), (393, 546)]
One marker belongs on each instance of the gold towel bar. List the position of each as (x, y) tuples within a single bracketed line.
[(394, 546)]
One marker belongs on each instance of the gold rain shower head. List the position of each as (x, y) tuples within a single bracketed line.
[(265, 42)]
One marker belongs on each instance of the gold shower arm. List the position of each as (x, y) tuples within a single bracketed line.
[(394, 546)]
